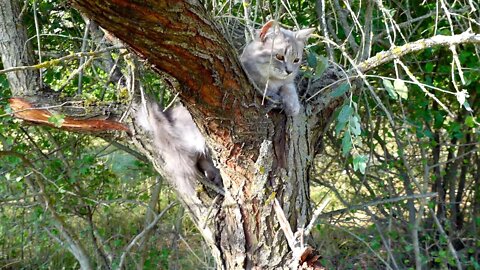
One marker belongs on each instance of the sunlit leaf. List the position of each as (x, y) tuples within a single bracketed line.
[(389, 87), (360, 163), (400, 88), (470, 121), (345, 113), (346, 143), (57, 119)]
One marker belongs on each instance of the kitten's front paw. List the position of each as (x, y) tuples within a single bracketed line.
[(292, 108)]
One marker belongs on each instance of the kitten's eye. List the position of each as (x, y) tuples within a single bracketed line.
[(280, 57), (296, 60)]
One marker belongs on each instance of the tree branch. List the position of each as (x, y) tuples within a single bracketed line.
[(24, 110), (144, 232), (180, 39), (397, 52), (73, 244), (64, 59)]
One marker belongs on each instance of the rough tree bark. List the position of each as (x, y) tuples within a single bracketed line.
[(260, 155), (13, 39)]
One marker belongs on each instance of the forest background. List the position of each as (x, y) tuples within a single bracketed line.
[(394, 182)]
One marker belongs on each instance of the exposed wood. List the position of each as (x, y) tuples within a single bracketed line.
[(22, 109)]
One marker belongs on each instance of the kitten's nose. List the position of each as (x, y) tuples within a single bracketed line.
[(288, 71)]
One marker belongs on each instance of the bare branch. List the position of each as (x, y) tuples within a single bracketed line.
[(373, 203), (141, 234), (55, 62), (422, 44)]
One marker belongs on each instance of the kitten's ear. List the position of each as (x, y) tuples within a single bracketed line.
[(263, 32), (304, 33)]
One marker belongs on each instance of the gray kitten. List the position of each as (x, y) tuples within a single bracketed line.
[(179, 141), (272, 60)]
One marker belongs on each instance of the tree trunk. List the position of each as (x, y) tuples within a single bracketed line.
[(13, 39), (260, 157)]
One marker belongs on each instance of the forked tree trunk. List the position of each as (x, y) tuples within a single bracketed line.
[(260, 156)]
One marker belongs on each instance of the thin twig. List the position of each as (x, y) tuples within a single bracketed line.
[(37, 31), (449, 243), (82, 59), (382, 201), (53, 62), (316, 214), (144, 232), (420, 85)]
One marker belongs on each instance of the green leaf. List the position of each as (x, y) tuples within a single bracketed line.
[(467, 107), (390, 90), (57, 119), (439, 118), (393, 234), (429, 67), (340, 90), (400, 88), (346, 143), (322, 64), (360, 163), (355, 126), (8, 109), (340, 126), (312, 59), (345, 113), (469, 121), (375, 244)]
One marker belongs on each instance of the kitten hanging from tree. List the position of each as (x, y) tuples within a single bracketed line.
[(177, 138), (272, 61)]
